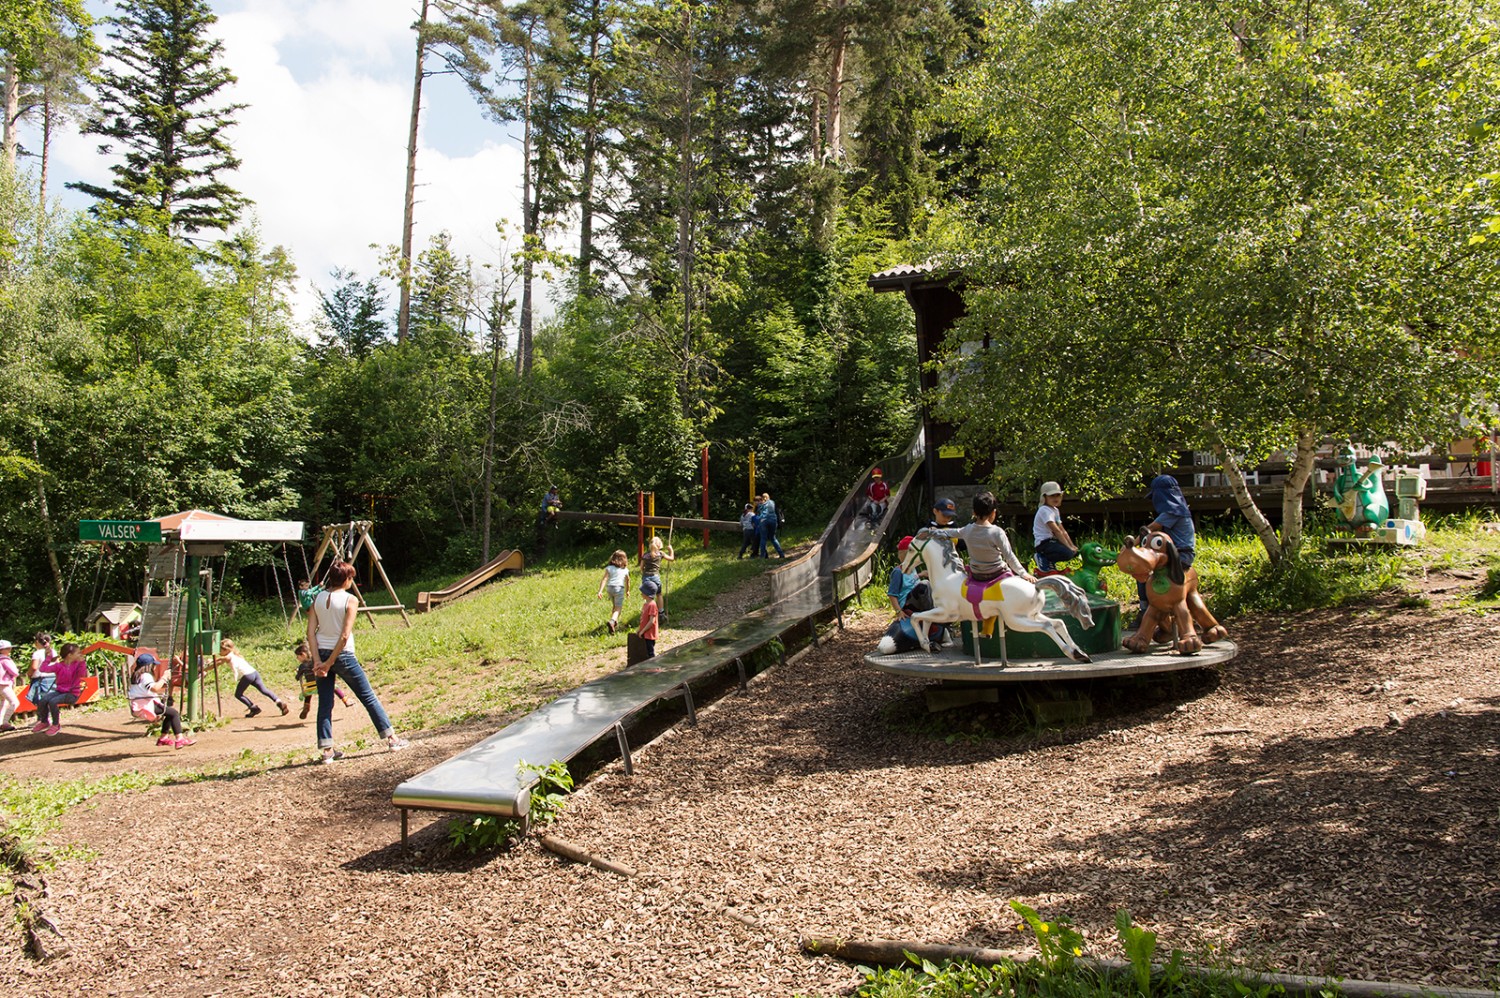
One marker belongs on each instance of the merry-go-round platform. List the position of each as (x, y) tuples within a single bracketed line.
[(953, 665)]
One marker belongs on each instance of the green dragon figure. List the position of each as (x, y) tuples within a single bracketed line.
[(1360, 497), (1095, 557)]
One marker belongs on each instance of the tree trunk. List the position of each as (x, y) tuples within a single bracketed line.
[(685, 186), (403, 312), (41, 197), (50, 540), (835, 132), (528, 219), (12, 112), (1293, 491), (590, 151), (1246, 503)]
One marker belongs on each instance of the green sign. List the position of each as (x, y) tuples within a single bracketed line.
[(140, 531)]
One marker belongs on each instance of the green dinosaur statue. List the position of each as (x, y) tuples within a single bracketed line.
[(1095, 557), (1360, 497)]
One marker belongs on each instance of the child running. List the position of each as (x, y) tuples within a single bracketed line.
[(309, 682), (616, 580), (246, 677), (9, 673), (70, 673)]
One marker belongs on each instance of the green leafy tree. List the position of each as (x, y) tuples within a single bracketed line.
[(1249, 241), (160, 99), (352, 311)]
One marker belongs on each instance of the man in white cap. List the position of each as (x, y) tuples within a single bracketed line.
[(1047, 532)]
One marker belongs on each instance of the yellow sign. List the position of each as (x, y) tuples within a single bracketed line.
[(950, 450)]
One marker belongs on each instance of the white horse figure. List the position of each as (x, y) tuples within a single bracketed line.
[(1019, 609)]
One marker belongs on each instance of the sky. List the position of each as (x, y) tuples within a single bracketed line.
[(323, 140)]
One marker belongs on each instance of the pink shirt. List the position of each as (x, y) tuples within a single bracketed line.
[(8, 671), (70, 676)]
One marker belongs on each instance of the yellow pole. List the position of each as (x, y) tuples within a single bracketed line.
[(651, 510), (752, 476)]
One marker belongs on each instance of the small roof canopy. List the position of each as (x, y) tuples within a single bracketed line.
[(201, 525)]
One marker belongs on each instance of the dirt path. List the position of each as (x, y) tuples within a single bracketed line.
[(1327, 803)]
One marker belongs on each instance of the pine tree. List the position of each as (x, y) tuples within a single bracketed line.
[(158, 100)]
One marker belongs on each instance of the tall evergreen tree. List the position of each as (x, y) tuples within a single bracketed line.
[(159, 99)]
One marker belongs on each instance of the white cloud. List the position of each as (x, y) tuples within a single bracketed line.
[(323, 139)]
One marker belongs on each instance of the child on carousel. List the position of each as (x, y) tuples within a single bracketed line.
[(991, 557)]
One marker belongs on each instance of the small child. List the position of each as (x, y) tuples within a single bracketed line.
[(990, 553), (70, 673), (648, 625), (9, 673), (245, 677), (309, 682), (616, 580), (306, 593), (145, 694), (651, 562)]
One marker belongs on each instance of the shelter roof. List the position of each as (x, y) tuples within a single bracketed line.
[(201, 525)]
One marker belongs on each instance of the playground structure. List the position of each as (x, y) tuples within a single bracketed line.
[(487, 778), (173, 623), (1361, 499), (506, 561), (345, 542)]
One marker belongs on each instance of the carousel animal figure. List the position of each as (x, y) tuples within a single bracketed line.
[(1173, 603), (1016, 603), (1095, 557), (1360, 497)]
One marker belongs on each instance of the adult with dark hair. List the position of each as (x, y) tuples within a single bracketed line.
[(330, 629)]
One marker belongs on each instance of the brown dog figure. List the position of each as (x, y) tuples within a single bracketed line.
[(1172, 598)]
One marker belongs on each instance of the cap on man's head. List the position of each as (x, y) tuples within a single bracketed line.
[(946, 505), (4, 645), (146, 658), (1051, 489), (903, 544)]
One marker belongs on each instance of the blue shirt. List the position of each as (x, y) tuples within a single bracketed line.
[(901, 584)]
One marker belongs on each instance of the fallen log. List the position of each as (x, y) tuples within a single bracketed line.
[(568, 850)]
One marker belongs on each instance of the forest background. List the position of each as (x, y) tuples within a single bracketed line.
[(1282, 212)]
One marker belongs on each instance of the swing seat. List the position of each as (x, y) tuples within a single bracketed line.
[(90, 690)]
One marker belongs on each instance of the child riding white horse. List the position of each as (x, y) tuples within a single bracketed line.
[(996, 585)]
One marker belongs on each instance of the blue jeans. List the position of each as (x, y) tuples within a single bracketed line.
[(749, 539), (1050, 552), (50, 706), (768, 538), (347, 666)]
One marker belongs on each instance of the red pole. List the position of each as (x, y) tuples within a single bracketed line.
[(640, 527), (705, 493)]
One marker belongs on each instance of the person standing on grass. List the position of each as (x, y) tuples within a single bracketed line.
[(749, 531), (330, 629), (769, 522), (70, 673), (9, 673), (649, 625), (246, 676), (616, 580)]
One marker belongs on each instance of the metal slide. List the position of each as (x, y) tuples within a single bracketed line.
[(507, 561)]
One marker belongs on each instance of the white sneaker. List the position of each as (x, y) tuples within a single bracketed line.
[(397, 743), (331, 755)]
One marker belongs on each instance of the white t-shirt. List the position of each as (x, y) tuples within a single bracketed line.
[(1045, 515), (242, 668), (39, 658), (329, 608)]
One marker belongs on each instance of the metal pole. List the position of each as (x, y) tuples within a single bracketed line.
[(193, 675)]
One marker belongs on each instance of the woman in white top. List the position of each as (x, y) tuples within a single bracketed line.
[(330, 629)]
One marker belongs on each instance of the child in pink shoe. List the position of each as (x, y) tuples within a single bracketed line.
[(70, 672)]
